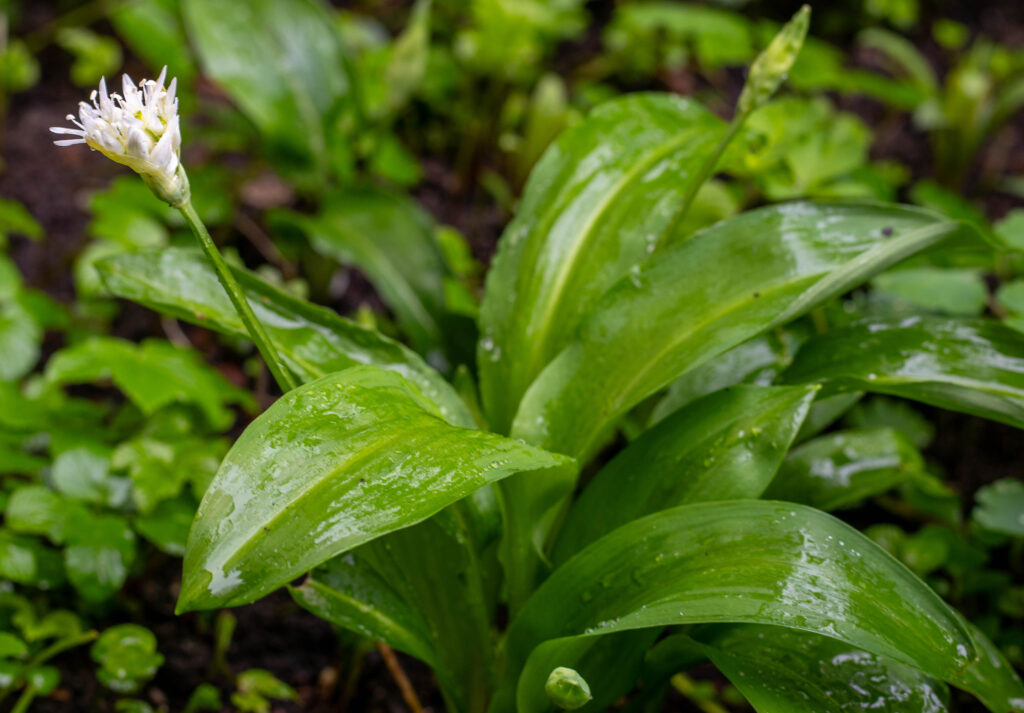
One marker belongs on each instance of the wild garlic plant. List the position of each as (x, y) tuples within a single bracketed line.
[(427, 513)]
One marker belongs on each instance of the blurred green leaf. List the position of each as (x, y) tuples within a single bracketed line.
[(99, 551), (95, 56), (127, 657), (950, 291), (152, 374), (1001, 507)]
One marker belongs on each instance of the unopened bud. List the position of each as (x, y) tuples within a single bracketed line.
[(770, 67), (567, 689)]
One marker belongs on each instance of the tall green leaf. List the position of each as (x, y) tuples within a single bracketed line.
[(596, 204), (974, 366), (282, 63), (312, 340), (745, 562), (331, 465), (705, 295), (724, 446)]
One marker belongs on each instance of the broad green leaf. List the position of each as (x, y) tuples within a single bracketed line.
[(1000, 507), (597, 203), (754, 562), (722, 447), (314, 341), (391, 239), (974, 366), (844, 467), (331, 465), (790, 671), (705, 295), (282, 63), (152, 374)]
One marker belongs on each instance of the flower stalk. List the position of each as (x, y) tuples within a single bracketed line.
[(281, 375), (140, 128), (767, 72)]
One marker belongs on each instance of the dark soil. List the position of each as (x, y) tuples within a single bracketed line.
[(274, 633)]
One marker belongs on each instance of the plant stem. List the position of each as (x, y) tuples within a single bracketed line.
[(24, 700), (256, 332), (706, 170)]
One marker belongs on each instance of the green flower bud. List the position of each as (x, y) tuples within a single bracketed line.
[(771, 66), (567, 689)]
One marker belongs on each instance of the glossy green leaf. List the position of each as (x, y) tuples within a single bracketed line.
[(724, 446), (703, 296), (845, 467), (974, 366), (312, 340), (329, 466), (790, 671), (282, 63), (391, 239), (745, 562), (597, 203), (1000, 507)]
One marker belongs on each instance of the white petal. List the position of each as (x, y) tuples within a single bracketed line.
[(66, 130), (163, 75), (68, 142)]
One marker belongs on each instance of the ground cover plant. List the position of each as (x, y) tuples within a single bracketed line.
[(674, 449)]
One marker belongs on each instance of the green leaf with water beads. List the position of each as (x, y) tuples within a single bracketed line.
[(974, 366), (741, 561), (331, 465), (705, 295)]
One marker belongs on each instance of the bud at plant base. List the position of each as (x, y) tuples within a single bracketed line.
[(567, 689)]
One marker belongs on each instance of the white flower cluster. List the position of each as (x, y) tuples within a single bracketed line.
[(139, 129)]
